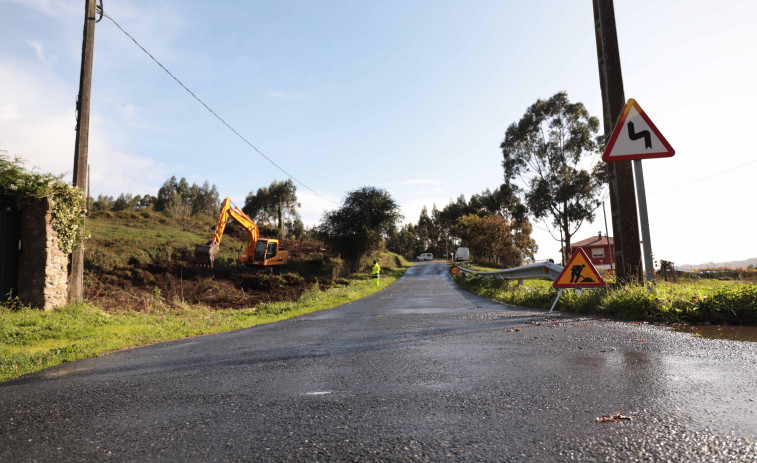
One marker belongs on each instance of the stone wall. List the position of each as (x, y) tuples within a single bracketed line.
[(43, 267)]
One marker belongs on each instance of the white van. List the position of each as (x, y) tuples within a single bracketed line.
[(462, 254), (426, 256)]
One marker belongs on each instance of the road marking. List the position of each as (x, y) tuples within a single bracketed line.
[(318, 393)]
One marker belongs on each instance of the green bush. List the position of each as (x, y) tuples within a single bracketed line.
[(68, 201)]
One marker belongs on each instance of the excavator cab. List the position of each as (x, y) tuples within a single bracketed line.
[(267, 253)]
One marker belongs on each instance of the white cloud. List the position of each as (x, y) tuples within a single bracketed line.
[(39, 49), (313, 206), (411, 209), (114, 171), (38, 122), (9, 111)]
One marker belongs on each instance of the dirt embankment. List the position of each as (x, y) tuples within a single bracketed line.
[(145, 286)]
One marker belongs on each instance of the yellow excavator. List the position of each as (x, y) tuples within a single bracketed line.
[(259, 252)]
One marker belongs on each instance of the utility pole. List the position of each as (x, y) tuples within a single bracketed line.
[(76, 275), (625, 223)]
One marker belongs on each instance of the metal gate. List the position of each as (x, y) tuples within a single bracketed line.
[(10, 234)]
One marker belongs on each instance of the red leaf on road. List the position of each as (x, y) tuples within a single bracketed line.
[(613, 418)]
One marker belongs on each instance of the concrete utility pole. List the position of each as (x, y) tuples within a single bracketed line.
[(76, 275), (625, 223)]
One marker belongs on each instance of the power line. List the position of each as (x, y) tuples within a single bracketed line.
[(705, 178), (211, 111)]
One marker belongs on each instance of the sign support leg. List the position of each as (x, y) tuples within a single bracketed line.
[(559, 293), (644, 218)]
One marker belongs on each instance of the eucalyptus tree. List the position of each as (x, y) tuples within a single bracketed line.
[(274, 204), (545, 157)]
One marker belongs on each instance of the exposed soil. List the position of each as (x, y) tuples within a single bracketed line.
[(144, 286)]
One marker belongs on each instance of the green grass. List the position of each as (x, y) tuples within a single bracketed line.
[(31, 340), (477, 267), (126, 238), (703, 301)]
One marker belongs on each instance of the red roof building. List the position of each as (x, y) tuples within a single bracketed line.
[(600, 249)]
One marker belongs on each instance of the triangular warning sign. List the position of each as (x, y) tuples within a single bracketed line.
[(579, 273), (636, 137)]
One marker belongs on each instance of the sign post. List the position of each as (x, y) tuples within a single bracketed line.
[(635, 137), (646, 240)]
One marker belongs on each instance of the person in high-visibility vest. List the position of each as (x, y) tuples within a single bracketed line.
[(376, 271)]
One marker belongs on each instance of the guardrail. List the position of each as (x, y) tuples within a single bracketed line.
[(538, 271)]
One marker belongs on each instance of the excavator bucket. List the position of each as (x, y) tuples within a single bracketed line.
[(205, 255)]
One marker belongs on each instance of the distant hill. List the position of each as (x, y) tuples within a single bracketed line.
[(732, 264)]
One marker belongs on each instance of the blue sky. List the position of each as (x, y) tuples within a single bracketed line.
[(410, 96)]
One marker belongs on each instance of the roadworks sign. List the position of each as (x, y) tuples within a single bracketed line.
[(579, 272), (636, 137)]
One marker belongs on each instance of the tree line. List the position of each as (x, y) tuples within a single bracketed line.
[(492, 224), (546, 177), (273, 208)]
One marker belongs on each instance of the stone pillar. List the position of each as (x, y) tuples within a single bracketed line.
[(43, 267)]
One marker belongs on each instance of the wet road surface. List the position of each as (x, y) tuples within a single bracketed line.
[(421, 371)]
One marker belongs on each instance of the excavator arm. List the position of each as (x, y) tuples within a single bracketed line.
[(231, 211), (206, 254)]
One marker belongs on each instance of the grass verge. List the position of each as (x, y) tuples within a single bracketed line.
[(31, 340), (704, 301)]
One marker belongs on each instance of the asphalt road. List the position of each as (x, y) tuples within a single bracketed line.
[(421, 371)]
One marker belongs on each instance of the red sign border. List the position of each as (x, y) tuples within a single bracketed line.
[(596, 284), (619, 127)]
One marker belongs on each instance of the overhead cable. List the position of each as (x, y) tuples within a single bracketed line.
[(213, 112), (704, 178)]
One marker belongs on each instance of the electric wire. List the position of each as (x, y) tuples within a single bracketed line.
[(102, 13), (704, 178), (213, 112)]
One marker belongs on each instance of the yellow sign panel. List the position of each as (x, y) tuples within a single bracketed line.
[(579, 272)]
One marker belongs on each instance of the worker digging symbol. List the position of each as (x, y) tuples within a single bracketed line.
[(575, 275)]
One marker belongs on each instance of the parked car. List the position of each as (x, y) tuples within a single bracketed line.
[(426, 256), (462, 254)]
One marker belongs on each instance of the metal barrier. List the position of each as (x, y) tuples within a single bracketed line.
[(538, 271)]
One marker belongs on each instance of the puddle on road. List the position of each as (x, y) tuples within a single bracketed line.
[(732, 333)]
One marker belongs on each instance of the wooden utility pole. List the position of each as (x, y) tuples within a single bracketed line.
[(76, 274), (625, 222)]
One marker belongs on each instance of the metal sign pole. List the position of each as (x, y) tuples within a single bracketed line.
[(644, 218), (559, 293)]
